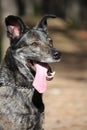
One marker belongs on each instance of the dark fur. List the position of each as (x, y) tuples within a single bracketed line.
[(21, 106)]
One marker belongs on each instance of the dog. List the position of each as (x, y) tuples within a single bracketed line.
[(23, 74)]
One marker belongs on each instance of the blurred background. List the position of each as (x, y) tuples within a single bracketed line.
[(66, 97)]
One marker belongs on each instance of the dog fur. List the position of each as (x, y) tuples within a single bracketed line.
[(21, 105)]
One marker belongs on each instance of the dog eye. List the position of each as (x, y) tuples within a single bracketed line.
[(35, 44)]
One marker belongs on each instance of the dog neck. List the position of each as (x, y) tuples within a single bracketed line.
[(18, 76)]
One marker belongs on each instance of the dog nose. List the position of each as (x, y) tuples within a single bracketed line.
[(56, 55)]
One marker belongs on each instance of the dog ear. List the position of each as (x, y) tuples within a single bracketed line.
[(42, 24), (15, 26)]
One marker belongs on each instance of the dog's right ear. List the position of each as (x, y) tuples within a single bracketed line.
[(42, 24), (15, 26)]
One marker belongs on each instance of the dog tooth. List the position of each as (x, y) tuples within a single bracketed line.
[(50, 77), (53, 73)]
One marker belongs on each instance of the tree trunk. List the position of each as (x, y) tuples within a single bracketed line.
[(73, 10), (8, 8), (0, 31)]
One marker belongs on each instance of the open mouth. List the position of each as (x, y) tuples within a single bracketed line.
[(43, 73), (49, 75)]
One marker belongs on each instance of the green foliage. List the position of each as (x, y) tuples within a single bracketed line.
[(72, 23)]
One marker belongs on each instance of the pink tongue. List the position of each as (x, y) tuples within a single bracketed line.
[(39, 82)]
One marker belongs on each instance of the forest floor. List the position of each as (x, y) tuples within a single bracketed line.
[(66, 95)]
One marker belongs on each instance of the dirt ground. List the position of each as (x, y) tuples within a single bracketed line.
[(66, 95)]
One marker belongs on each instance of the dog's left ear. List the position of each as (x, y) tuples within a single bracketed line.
[(15, 26), (42, 24)]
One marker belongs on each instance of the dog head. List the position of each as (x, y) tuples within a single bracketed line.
[(34, 44), (31, 46)]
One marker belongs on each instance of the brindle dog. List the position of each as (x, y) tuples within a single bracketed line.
[(21, 89)]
